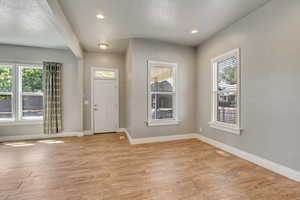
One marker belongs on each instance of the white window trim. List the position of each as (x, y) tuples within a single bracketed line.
[(231, 128), (21, 122), (162, 122), (16, 92)]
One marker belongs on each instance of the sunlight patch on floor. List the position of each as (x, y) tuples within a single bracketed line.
[(19, 144), (51, 141)]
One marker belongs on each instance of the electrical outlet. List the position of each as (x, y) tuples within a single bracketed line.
[(86, 102)]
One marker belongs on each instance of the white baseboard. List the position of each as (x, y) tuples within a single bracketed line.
[(130, 140), (163, 138), (40, 136), (275, 167), (88, 132), (156, 139)]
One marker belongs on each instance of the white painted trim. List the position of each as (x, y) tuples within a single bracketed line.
[(156, 139), (236, 128), (174, 66), (121, 130), (56, 16), (130, 140), (81, 93), (88, 132), (92, 93), (226, 127), (21, 122), (163, 138), (275, 167), (162, 122), (40, 136), (16, 94), (175, 119), (92, 99)]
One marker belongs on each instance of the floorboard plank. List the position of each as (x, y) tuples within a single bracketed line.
[(106, 167)]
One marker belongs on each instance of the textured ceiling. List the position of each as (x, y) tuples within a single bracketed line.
[(23, 22), (166, 20)]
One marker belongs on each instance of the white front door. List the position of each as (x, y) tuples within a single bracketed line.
[(105, 101)]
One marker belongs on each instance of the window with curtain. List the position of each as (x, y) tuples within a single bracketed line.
[(162, 93), (226, 92), (21, 92)]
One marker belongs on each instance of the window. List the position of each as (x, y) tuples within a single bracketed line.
[(6, 91), (21, 92), (226, 92), (162, 93), (32, 92), (105, 74)]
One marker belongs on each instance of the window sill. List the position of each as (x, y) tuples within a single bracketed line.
[(162, 122), (20, 123), (224, 127)]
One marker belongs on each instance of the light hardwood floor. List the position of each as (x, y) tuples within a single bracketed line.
[(103, 167)]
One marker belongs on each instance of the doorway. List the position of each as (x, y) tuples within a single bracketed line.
[(104, 100)]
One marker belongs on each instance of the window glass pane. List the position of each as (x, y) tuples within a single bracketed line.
[(163, 79), (32, 79), (162, 106), (105, 74), (227, 80), (32, 106), (227, 108), (5, 107), (227, 89), (5, 78), (32, 88)]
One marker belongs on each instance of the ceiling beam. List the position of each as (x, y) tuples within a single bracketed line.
[(59, 20)]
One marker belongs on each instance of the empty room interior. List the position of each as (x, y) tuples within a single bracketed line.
[(149, 99)]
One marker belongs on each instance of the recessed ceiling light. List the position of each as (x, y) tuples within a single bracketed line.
[(103, 46), (100, 16), (194, 31)]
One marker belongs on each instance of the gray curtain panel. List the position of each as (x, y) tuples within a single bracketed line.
[(52, 98)]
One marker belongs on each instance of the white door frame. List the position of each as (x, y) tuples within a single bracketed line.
[(92, 93)]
